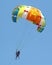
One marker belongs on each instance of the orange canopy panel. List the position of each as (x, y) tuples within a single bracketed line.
[(34, 16)]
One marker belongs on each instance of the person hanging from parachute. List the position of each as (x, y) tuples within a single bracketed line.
[(17, 54), (31, 14)]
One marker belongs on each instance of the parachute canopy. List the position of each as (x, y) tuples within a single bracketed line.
[(31, 14)]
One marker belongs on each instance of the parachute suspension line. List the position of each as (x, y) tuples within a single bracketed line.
[(21, 41)]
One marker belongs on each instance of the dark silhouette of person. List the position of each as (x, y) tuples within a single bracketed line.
[(17, 54)]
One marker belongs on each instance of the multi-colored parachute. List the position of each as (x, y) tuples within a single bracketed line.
[(30, 13)]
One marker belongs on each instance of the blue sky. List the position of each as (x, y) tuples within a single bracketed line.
[(35, 47)]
